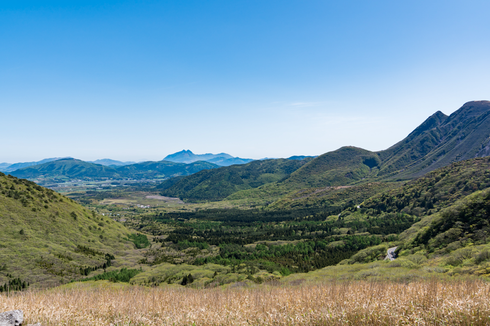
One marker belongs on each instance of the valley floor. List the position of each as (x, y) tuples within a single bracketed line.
[(334, 303)]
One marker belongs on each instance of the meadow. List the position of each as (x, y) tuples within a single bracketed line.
[(431, 302)]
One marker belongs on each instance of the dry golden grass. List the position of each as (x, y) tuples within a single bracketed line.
[(351, 303)]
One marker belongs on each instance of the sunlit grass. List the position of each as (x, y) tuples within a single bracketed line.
[(334, 303)]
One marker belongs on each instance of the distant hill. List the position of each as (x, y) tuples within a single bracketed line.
[(16, 166), (109, 162), (340, 167), (3, 166), (68, 168), (73, 168), (222, 159), (219, 183), (300, 157), (47, 239)]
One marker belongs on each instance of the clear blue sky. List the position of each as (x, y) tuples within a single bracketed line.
[(137, 80)]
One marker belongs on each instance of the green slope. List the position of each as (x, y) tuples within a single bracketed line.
[(46, 239), (220, 183), (453, 241), (451, 207), (437, 190), (341, 167)]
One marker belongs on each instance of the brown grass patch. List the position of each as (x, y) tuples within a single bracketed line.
[(348, 303)]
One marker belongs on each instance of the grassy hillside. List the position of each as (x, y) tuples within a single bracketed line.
[(437, 190), (341, 167), (337, 196), (464, 224), (47, 239), (220, 183), (451, 242)]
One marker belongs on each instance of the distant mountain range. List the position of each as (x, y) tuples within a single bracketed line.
[(8, 167), (72, 168), (221, 159), (185, 157), (437, 142)]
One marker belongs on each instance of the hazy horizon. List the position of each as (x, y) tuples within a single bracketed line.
[(136, 81)]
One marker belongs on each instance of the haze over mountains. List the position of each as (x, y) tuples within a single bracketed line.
[(222, 159), (180, 163)]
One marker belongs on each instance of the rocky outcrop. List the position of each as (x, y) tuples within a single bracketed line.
[(13, 318)]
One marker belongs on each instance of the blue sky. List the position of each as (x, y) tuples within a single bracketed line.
[(137, 80)]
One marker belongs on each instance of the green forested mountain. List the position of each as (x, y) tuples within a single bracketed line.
[(47, 239), (219, 183), (450, 213), (434, 191), (340, 167), (437, 142), (464, 222), (73, 168), (5, 167)]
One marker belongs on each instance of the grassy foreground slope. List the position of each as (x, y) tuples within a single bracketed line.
[(47, 239)]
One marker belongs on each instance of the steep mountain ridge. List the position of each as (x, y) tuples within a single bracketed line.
[(441, 140)]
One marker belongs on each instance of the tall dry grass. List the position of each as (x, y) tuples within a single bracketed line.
[(355, 303)]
